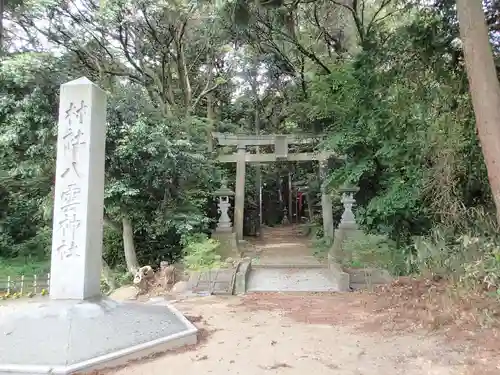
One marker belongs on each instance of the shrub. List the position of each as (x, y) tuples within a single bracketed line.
[(200, 252), (439, 255), (472, 261), (378, 251), (321, 246)]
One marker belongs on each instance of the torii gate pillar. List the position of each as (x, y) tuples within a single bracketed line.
[(239, 196), (326, 203)]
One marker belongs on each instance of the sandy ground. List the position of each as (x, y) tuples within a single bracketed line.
[(344, 334), (411, 327), (259, 334)]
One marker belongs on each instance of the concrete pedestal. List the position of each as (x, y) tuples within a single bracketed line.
[(341, 277), (342, 233), (337, 256), (65, 337), (228, 243)]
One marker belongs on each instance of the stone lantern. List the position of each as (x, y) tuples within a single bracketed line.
[(224, 223), (347, 227), (348, 220), (224, 231)]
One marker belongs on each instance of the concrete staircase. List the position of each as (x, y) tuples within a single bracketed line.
[(282, 261), (290, 278)]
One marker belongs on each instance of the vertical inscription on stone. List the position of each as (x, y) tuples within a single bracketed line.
[(73, 136), (69, 222)]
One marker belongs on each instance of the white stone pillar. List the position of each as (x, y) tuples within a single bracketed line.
[(79, 192), (239, 198), (326, 203)]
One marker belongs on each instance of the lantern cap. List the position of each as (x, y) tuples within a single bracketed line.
[(224, 191), (349, 189)]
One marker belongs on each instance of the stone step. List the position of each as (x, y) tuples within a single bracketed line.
[(290, 266), (291, 279)]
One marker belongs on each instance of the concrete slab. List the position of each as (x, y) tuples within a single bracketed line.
[(279, 279), (299, 260), (64, 337)]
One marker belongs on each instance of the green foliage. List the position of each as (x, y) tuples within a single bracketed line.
[(118, 279), (15, 267), (160, 181), (200, 252), (376, 251), (158, 172), (437, 255), (484, 271), (113, 247), (470, 259), (473, 261), (28, 102), (401, 114), (390, 94), (321, 244)]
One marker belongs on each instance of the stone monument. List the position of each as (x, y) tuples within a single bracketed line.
[(53, 337), (79, 193), (224, 231)]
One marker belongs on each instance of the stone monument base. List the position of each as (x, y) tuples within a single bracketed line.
[(228, 243), (66, 337), (341, 277), (343, 233)]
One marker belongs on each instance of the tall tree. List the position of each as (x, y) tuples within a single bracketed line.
[(2, 9), (483, 86)]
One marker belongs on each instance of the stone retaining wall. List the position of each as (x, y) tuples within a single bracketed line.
[(367, 278), (357, 278), (241, 277)]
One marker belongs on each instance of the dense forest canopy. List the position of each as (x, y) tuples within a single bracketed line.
[(383, 80)]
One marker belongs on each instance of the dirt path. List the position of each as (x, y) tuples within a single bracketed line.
[(282, 245), (270, 334)]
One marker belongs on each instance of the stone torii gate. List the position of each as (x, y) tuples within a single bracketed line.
[(281, 143)]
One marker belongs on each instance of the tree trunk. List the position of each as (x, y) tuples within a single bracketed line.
[(484, 87), (254, 84), (210, 96), (183, 74), (128, 245), (2, 11), (170, 83), (211, 119)]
